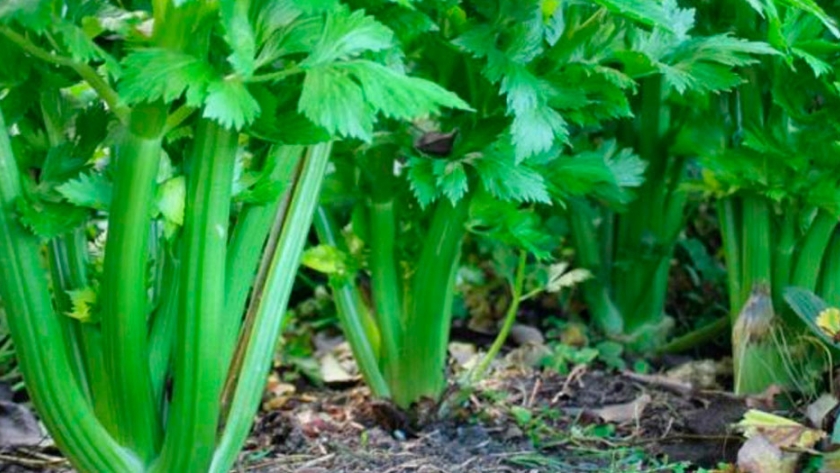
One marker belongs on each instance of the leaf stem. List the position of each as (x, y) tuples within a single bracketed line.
[(106, 93), (510, 318), (32, 321), (268, 307), (198, 376), (177, 117), (353, 315), (124, 295), (429, 308), (248, 239)]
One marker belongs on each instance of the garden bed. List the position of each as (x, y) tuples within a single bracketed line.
[(516, 420)]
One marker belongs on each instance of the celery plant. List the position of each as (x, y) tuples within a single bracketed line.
[(679, 66), (173, 188), (776, 183), (533, 78)]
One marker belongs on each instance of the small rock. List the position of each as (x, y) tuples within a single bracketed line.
[(817, 410), (527, 356), (18, 427), (759, 455), (525, 334), (463, 353), (512, 432)]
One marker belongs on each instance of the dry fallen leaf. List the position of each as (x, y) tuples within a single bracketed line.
[(527, 356), (699, 374), (277, 393), (619, 413), (765, 400), (781, 432), (333, 372)]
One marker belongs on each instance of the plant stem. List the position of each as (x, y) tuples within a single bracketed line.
[(510, 318), (353, 315), (729, 224), (276, 76), (86, 72), (783, 258), (198, 375), (830, 280), (387, 286), (266, 314), (597, 295), (61, 283), (103, 398), (248, 239), (756, 365), (632, 231), (429, 313), (756, 251), (812, 249), (124, 295), (32, 321), (178, 116), (69, 266), (696, 337), (386, 279), (162, 333)]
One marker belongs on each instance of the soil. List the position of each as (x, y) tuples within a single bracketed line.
[(483, 430), (519, 420)]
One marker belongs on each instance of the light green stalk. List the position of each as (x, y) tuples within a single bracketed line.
[(124, 302), (429, 307), (36, 332), (247, 241), (830, 280), (355, 319), (124, 296), (198, 376), (812, 249), (386, 279), (510, 318), (595, 291), (162, 333), (265, 317), (70, 264), (729, 226), (387, 288)]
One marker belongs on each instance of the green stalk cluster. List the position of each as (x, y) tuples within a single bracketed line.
[(101, 385), (767, 249), (193, 430), (401, 341), (630, 252)]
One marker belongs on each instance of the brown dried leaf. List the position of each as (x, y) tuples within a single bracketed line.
[(619, 413), (781, 432)]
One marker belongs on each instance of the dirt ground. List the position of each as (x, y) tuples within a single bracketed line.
[(522, 421), (517, 420)]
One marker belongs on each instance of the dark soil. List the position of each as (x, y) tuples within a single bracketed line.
[(516, 421), (483, 430)]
